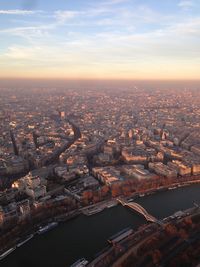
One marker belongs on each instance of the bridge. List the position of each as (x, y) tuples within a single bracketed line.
[(137, 207)]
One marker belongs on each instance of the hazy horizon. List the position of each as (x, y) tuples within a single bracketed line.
[(98, 83)]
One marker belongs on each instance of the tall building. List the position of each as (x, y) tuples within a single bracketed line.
[(62, 115)]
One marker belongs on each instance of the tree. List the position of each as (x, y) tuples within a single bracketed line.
[(156, 256)]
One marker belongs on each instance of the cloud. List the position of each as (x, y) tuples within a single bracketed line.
[(187, 29), (103, 38), (29, 32), (16, 52), (64, 15), (114, 2), (186, 4), (18, 12)]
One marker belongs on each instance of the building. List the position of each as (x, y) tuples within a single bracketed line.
[(137, 171), (62, 114), (36, 192), (24, 208), (162, 169), (134, 155), (31, 185), (107, 175), (182, 168), (90, 182), (196, 149)]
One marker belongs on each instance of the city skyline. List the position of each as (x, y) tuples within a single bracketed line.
[(112, 39)]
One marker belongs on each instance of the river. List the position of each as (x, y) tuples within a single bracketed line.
[(86, 236)]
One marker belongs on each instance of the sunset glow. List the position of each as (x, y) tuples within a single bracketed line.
[(123, 39)]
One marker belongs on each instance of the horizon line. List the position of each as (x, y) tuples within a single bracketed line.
[(95, 79)]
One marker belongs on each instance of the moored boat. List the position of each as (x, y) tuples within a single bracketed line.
[(46, 228), (93, 211), (6, 253), (110, 205), (120, 235), (24, 241), (80, 263)]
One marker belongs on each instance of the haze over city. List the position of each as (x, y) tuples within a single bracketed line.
[(111, 39)]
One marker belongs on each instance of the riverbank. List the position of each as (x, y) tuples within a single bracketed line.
[(99, 207), (34, 231), (185, 226), (51, 249)]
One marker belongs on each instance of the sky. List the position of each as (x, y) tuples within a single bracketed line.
[(94, 39)]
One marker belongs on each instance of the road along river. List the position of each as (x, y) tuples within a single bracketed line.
[(85, 236)]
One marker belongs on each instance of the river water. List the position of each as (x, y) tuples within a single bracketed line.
[(86, 236)]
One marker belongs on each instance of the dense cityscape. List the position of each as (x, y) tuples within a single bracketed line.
[(68, 152)]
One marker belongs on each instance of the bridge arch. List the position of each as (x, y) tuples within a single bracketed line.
[(138, 208)]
